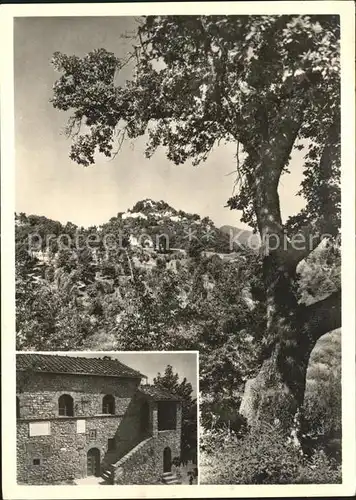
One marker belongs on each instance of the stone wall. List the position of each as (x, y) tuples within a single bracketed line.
[(63, 453), (139, 466), (144, 465), (38, 394), (170, 439), (129, 433)]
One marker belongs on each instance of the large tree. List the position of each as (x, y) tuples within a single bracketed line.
[(268, 84)]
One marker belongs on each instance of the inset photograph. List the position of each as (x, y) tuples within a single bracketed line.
[(113, 418)]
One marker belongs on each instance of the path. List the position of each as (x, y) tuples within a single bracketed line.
[(84, 481)]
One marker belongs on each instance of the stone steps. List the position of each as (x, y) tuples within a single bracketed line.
[(108, 475), (169, 478)]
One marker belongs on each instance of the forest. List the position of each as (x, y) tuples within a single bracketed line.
[(267, 322)]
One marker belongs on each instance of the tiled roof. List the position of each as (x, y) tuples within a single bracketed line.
[(48, 363), (157, 393)]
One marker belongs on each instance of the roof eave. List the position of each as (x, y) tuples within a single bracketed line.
[(55, 372)]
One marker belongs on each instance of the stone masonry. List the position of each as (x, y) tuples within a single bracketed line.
[(146, 461), (53, 448)]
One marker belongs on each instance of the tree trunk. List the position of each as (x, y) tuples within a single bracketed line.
[(277, 392), (278, 389)]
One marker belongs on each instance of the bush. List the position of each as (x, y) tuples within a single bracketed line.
[(221, 414), (215, 439), (161, 263), (319, 470), (263, 458)]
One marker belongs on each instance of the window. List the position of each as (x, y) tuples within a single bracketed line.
[(17, 407), (36, 461), (167, 415), (65, 406), (39, 429), (92, 434), (111, 444), (109, 404)]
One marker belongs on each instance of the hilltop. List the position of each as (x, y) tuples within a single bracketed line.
[(168, 228), (148, 224)]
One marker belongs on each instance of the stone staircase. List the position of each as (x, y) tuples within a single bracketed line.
[(170, 478), (108, 474)]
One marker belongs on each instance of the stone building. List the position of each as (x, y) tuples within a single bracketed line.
[(79, 417)]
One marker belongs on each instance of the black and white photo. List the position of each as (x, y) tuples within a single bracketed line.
[(92, 419), (179, 183)]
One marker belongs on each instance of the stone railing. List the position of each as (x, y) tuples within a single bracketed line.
[(138, 466)]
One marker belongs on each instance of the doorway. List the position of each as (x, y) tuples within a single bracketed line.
[(93, 462), (167, 460)]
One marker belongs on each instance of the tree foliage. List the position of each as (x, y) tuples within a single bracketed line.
[(267, 83)]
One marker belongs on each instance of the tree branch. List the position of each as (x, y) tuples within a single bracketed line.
[(289, 142), (310, 242)]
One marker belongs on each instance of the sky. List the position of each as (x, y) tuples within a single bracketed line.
[(49, 183), (151, 363)]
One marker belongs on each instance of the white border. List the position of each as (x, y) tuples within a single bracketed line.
[(346, 10)]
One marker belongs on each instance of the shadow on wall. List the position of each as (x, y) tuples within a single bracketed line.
[(133, 428)]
